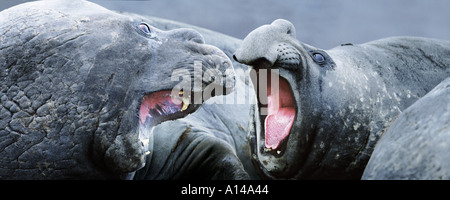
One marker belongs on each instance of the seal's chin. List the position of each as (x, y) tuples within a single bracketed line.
[(280, 115)]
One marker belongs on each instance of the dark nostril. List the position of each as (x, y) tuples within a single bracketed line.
[(261, 63), (234, 57)]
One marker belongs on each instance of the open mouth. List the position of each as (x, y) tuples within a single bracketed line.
[(160, 106), (280, 116)]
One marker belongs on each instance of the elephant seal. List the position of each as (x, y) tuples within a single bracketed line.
[(333, 105), (81, 88), (416, 144)]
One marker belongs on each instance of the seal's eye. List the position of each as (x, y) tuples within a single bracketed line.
[(145, 28), (318, 58)]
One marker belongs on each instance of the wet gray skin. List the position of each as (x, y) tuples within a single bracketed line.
[(415, 147), (344, 98)]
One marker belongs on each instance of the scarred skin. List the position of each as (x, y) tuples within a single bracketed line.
[(72, 78), (345, 97)]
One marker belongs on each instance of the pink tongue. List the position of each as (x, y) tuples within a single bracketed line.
[(278, 127), (281, 114)]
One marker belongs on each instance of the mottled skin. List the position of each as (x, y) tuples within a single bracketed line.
[(416, 145), (344, 102), (72, 78)]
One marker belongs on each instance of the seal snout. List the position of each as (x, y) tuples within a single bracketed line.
[(261, 47)]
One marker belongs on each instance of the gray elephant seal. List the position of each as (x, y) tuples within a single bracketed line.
[(82, 87), (416, 145), (335, 104)]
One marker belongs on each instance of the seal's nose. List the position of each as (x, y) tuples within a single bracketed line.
[(186, 34)]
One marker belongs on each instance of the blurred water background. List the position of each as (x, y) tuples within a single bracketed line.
[(321, 23)]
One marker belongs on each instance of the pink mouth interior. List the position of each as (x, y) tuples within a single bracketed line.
[(281, 114), (158, 104)]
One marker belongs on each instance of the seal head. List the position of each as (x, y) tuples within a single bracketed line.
[(320, 112), (92, 84)]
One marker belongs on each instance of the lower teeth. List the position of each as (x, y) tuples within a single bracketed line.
[(269, 150)]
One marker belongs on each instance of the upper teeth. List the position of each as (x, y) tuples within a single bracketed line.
[(185, 104), (185, 100)]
